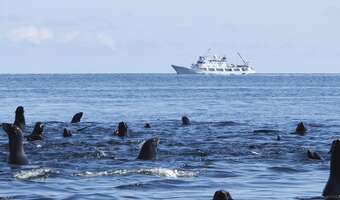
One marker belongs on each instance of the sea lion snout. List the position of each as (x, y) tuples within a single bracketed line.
[(19, 110), (185, 121)]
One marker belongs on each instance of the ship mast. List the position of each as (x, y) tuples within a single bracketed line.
[(244, 61)]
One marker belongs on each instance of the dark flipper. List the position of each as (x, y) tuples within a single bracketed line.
[(77, 117)]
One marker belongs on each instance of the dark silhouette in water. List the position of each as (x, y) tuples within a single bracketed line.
[(313, 155), (67, 133), (149, 149), (301, 129), (122, 129), (77, 117), (20, 118), (147, 125), (37, 133), (222, 195), (17, 154), (278, 137), (265, 131), (332, 187), (185, 121)]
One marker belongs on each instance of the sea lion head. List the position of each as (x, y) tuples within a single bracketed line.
[(147, 125), (149, 149), (67, 133), (20, 117), (38, 128), (37, 133), (301, 129), (19, 110), (185, 121), (222, 195), (122, 129)]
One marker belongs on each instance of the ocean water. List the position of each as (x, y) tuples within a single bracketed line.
[(220, 150)]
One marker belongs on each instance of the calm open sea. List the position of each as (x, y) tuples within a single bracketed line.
[(220, 150)]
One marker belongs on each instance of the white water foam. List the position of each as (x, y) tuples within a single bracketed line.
[(164, 172), (33, 173)]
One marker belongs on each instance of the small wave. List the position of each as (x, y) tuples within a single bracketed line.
[(227, 123), (173, 173), (6, 198), (284, 169), (316, 125), (33, 173), (313, 198)]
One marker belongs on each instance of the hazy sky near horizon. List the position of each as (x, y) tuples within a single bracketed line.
[(132, 36)]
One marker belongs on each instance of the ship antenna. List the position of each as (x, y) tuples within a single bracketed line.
[(244, 61), (208, 52)]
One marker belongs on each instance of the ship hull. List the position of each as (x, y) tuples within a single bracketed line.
[(185, 70)]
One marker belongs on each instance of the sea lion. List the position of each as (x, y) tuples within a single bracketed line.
[(37, 133), (77, 117), (20, 118), (278, 137), (222, 195), (122, 129), (301, 129), (67, 133), (313, 155), (17, 154), (147, 125), (332, 187), (185, 121), (149, 149)]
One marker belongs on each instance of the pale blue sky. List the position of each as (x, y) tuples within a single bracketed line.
[(108, 36)]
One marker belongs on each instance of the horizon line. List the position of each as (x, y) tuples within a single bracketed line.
[(104, 73)]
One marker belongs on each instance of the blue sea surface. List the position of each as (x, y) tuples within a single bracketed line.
[(220, 150)]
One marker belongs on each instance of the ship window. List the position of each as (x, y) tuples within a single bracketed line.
[(237, 70), (221, 70), (211, 69), (228, 70), (205, 69)]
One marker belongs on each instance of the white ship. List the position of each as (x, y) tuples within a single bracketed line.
[(215, 65)]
